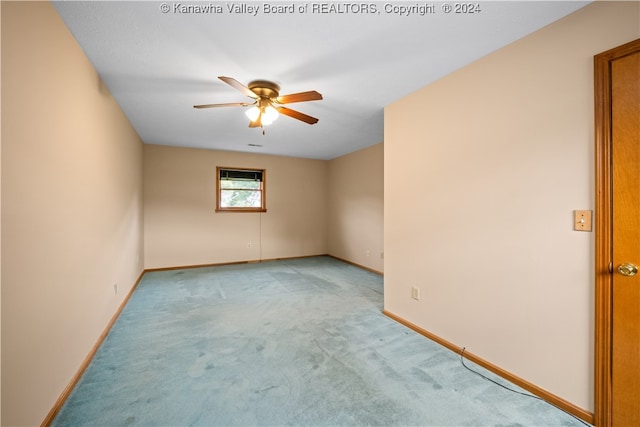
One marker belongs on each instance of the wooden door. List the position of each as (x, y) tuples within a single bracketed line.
[(618, 239), (625, 120)]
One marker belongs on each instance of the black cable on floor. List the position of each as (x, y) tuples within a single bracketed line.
[(515, 391)]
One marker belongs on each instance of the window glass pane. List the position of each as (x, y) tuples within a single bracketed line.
[(247, 185), (240, 198)]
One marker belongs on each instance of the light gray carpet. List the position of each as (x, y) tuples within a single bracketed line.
[(297, 342)]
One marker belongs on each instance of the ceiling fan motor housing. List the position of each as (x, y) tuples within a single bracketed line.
[(264, 88)]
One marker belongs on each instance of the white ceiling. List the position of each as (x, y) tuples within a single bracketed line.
[(158, 65)]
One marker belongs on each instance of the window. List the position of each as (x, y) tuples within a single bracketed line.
[(241, 190)]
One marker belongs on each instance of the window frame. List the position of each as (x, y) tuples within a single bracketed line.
[(263, 190)]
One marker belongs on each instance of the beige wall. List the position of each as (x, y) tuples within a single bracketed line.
[(71, 209), (313, 207), (482, 172), (356, 207), (182, 228)]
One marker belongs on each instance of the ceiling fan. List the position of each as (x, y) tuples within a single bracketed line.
[(268, 103)]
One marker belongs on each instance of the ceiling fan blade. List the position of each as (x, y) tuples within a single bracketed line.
[(298, 115), (311, 95), (232, 104), (236, 84)]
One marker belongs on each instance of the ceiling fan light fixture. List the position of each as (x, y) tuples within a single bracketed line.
[(253, 113), (265, 114), (269, 115)]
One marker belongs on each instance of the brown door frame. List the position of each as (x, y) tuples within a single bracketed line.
[(603, 234)]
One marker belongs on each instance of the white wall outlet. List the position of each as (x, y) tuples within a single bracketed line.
[(368, 252), (415, 293), (249, 245)]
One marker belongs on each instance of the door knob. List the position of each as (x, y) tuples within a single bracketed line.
[(628, 269)]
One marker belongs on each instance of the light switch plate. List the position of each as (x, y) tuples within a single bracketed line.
[(582, 220)]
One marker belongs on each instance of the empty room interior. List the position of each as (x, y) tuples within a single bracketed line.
[(458, 190)]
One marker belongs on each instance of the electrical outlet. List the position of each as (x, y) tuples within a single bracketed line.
[(115, 289), (368, 252), (249, 245), (415, 293)]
